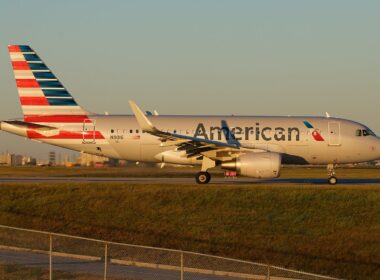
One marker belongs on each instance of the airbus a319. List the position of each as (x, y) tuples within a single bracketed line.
[(253, 146)]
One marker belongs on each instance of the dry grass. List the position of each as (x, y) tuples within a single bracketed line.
[(327, 230)]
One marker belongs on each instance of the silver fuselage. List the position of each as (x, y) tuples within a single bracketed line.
[(122, 137)]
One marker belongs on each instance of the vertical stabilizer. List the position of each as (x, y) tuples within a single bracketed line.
[(42, 96)]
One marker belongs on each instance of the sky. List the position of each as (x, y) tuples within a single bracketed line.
[(239, 57)]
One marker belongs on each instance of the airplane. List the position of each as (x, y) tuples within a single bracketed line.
[(252, 146)]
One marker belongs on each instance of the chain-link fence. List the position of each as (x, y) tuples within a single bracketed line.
[(30, 254)]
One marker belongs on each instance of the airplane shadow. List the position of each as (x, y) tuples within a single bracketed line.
[(309, 181)]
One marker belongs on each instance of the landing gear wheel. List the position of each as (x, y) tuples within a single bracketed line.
[(331, 173), (333, 180), (202, 177)]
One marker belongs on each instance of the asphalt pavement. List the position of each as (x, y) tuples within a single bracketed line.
[(190, 181), (96, 268)]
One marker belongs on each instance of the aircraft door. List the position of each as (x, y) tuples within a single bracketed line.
[(334, 134), (88, 132)]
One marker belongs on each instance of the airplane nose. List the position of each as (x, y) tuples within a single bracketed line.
[(376, 147)]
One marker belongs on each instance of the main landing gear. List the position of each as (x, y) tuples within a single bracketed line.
[(202, 177), (332, 180)]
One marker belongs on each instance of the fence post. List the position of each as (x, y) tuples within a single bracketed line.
[(50, 257), (105, 260), (182, 269), (268, 273)]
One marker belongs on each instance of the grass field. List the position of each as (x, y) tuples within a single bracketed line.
[(316, 228)]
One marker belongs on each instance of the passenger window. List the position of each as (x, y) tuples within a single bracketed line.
[(130, 131), (358, 132), (137, 131)]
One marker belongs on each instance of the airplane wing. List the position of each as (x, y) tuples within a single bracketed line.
[(193, 146)]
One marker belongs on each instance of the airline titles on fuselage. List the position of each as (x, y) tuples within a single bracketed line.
[(248, 133)]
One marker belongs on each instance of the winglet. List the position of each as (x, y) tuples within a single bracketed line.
[(142, 120)]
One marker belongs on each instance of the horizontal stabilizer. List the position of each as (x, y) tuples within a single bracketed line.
[(24, 128), (28, 125)]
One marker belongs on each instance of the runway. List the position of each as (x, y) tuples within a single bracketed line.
[(186, 181)]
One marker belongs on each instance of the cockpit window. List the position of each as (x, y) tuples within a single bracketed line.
[(365, 132), (370, 132)]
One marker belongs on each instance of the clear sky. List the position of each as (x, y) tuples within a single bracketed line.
[(291, 57)]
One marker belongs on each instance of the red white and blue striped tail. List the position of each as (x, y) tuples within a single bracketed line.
[(43, 98)]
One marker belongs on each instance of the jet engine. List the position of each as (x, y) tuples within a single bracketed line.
[(264, 165)]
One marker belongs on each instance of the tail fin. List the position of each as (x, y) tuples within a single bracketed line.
[(43, 98)]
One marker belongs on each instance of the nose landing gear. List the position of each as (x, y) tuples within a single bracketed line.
[(332, 180)]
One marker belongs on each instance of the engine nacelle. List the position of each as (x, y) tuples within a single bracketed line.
[(264, 165)]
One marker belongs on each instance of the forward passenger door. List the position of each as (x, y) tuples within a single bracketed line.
[(334, 133)]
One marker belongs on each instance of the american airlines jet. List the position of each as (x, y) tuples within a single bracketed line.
[(253, 146)]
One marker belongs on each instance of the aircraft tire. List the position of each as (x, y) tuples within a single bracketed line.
[(333, 180), (202, 177)]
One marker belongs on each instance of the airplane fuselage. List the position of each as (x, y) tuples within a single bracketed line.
[(300, 140)]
